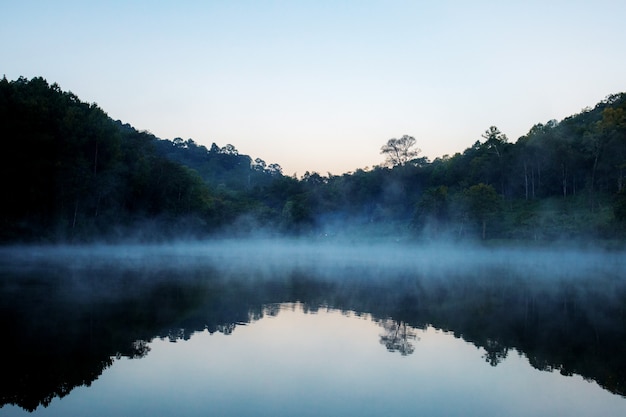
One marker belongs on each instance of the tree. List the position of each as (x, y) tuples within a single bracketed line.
[(400, 151), (619, 206), (432, 210), (275, 169), (483, 204), (229, 150), (259, 165), (496, 143), (494, 140)]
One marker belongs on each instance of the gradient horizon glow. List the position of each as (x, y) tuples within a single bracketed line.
[(321, 86)]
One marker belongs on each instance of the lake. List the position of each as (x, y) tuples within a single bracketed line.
[(275, 327)]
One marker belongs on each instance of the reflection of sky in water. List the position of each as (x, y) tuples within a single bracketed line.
[(324, 364)]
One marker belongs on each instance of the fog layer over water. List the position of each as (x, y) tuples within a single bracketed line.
[(281, 255), (70, 312)]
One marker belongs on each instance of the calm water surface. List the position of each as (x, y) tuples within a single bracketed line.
[(312, 330)]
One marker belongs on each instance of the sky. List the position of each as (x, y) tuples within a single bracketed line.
[(322, 85)]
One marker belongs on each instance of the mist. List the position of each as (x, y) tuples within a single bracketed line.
[(329, 258), (117, 298)]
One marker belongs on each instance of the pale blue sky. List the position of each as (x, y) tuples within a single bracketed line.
[(322, 85)]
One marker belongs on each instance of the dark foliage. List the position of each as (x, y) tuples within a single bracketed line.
[(72, 173)]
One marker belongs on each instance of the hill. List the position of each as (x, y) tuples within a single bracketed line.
[(71, 173)]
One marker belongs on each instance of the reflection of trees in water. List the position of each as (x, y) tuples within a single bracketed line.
[(140, 349), (227, 328), (398, 336), (495, 352), (271, 310), (565, 325), (177, 334)]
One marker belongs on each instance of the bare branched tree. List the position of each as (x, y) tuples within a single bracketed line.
[(400, 151)]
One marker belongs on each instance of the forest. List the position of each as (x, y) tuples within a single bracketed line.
[(73, 174)]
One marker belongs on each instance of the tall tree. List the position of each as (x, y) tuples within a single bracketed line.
[(400, 151), (494, 140), (483, 204), (496, 144), (432, 211)]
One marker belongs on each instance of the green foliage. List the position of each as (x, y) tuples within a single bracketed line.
[(432, 212), (619, 208), (70, 172), (482, 205)]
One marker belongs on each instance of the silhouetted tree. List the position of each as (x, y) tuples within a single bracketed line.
[(400, 151)]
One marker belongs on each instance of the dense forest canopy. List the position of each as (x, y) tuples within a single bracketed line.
[(71, 173)]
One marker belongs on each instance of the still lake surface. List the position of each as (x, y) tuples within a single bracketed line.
[(254, 328)]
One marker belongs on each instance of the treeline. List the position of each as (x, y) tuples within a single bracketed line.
[(70, 172)]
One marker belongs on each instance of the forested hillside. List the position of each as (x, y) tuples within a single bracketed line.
[(71, 173)]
